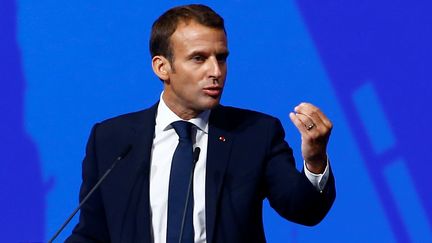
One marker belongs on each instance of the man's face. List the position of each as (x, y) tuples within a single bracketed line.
[(196, 76)]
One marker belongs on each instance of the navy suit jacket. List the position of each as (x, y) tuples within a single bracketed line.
[(252, 163)]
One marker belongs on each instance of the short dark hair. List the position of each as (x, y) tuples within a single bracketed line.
[(166, 24)]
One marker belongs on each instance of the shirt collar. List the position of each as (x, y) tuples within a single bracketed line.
[(165, 116)]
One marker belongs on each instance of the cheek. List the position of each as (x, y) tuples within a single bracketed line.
[(189, 86)]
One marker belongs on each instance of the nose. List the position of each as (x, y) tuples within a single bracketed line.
[(215, 69)]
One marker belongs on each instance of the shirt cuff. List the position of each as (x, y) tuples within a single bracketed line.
[(319, 181)]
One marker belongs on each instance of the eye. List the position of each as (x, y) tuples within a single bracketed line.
[(198, 58), (221, 58)]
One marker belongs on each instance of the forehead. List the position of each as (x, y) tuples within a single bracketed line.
[(192, 36)]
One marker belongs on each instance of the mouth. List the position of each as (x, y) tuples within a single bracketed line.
[(213, 91)]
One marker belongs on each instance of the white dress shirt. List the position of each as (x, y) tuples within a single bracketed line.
[(164, 144)]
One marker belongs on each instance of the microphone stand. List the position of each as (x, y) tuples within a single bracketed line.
[(120, 157), (196, 153)]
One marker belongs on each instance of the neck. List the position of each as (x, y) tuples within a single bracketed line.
[(179, 110)]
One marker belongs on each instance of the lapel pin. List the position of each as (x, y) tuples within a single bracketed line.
[(222, 138)]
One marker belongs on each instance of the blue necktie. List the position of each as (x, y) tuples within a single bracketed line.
[(181, 169)]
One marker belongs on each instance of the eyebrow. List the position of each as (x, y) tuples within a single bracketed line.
[(224, 53)]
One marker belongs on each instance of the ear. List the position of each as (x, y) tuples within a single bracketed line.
[(161, 67)]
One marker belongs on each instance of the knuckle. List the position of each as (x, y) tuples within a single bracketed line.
[(325, 132)]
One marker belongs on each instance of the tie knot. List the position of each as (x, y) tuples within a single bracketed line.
[(183, 129)]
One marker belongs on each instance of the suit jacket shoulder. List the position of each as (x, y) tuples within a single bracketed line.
[(233, 118)]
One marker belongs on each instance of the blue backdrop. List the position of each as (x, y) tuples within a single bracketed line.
[(65, 65)]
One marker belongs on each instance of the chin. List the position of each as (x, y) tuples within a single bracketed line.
[(211, 104), (206, 102)]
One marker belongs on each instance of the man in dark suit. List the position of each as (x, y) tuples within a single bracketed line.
[(243, 160)]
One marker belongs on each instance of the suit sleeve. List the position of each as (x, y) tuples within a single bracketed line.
[(92, 226), (289, 191)]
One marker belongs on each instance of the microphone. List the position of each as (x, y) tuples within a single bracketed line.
[(196, 154), (120, 157)]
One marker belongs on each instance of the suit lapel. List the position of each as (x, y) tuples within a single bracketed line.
[(135, 173), (218, 152)]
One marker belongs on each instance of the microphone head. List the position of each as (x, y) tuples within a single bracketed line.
[(196, 153)]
